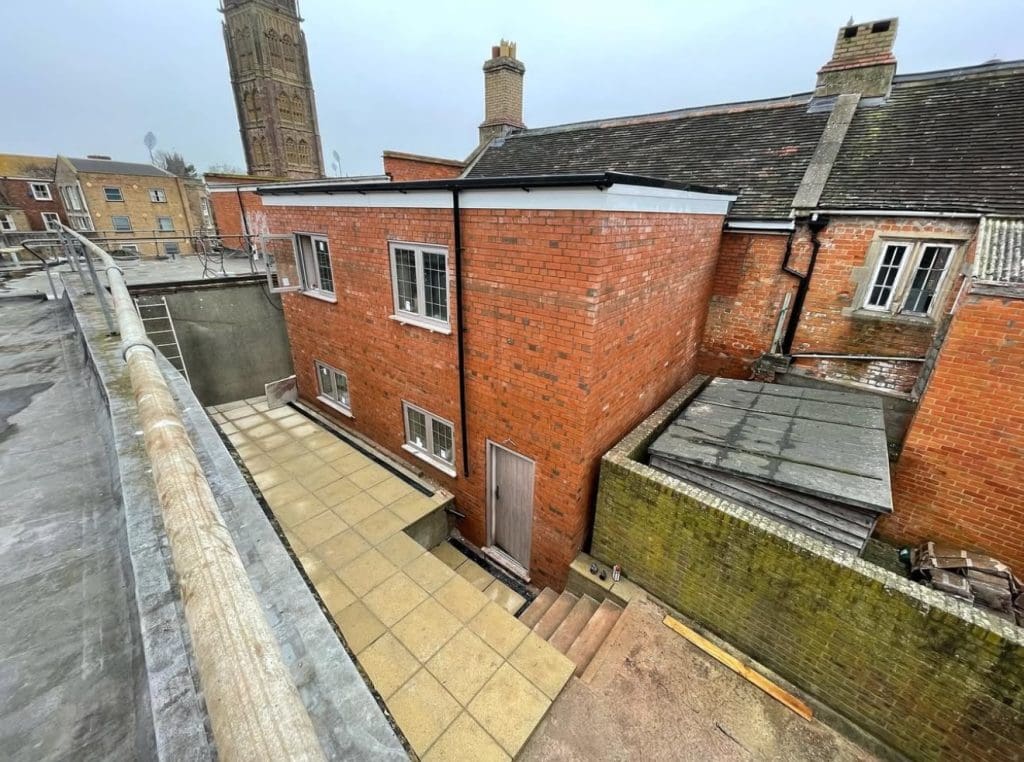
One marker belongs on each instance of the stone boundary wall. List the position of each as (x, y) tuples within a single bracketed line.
[(931, 677)]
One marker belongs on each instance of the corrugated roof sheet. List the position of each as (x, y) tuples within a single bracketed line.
[(111, 167), (17, 165), (1000, 254)]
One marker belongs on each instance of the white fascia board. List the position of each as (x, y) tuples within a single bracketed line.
[(617, 198), (231, 188), (763, 226)]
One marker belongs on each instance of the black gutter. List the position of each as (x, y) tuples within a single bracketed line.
[(457, 245), (525, 182), (815, 224)]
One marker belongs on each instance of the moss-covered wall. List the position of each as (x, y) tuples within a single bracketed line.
[(931, 677)]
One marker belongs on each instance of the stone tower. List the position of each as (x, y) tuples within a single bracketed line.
[(273, 90)]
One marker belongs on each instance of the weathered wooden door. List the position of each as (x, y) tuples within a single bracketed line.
[(511, 503)]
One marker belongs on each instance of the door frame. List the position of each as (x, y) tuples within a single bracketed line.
[(495, 553)]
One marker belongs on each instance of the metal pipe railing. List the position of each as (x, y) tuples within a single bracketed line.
[(254, 708)]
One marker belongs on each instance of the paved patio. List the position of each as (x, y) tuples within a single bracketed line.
[(435, 632)]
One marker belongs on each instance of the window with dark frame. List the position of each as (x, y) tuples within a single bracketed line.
[(333, 385), (172, 249), (428, 436), (908, 276), (419, 276)]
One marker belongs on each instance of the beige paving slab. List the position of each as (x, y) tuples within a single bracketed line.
[(542, 664), (465, 740), (492, 708), (281, 412), (249, 422), (273, 441), (429, 571), (293, 512), (464, 664), (359, 626), (319, 439), (303, 465), (264, 430), (246, 451), (390, 490), (233, 414), (341, 549), (357, 508), (335, 594), (305, 429), (400, 549), (335, 451), (292, 421), (228, 427), (500, 631), (449, 555), (286, 452), (337, 491), (270, 477), (319, 529), (379, 526), (369, 476), (318, 478), (389, 664), (366, 572), (413, 507), (475, 574), (258, 463), (423, 710), (504, 596), (349, 464), (315, 568), (425, 629), (394, 598), (460, 598)]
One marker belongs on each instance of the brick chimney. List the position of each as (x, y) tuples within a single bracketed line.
[(503, 92), (862, 61)]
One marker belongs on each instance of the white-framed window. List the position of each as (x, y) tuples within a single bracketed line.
[(113, 194), (204, 206), (122, 223), (51, 220), (419, 284), (429, 437), (165, 224), (157, 195), (81, 222), (908, 277), (172, 249), (7, 223), (314, 259), (129, 247), (41, 191), (72, 198), (332, 385)]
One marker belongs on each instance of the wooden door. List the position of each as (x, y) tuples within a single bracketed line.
[(511, 503)]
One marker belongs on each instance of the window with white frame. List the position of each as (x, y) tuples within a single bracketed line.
[(7, 223), (908, 277), (419, 279), (157, 196), (314, 258), (429, 437), (72, 198), (113, 194), (333, 386), (165, 224), (41, 191), (134, 247), (121, 223), (81, 222), (51, 220)]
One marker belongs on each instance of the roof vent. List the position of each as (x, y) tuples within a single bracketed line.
[(98, 156)]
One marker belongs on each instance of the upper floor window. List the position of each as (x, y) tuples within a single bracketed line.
[(41, 191), (121, 223), (7, 223), (165, 224), (419, 282), (908, 277), (314, 263), (333, 387), (72, 198), (157, 195), (113, 194), (51, 220)]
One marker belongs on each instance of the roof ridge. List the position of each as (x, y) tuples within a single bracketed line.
[(989, 67)]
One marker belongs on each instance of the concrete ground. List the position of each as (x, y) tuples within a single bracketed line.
[(436, 634), (66, 645), (651, 695)]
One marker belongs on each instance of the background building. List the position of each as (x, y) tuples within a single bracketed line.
[(28, 196)]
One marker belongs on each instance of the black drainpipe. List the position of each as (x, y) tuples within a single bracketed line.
[(457, 238), (815, 224)]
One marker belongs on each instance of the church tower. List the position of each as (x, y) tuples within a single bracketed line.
[(273, 90)]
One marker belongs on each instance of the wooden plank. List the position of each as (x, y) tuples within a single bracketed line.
[(784, 697)]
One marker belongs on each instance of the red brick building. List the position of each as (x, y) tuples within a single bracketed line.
[(31, 199)]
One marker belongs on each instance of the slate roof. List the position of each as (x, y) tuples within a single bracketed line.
[(110, 167), (759, 151), (942, 141), (948, 141)]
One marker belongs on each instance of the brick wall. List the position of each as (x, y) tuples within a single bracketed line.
[(227, 216), (928, 675), (19, 195), (959, 477), (549, 342), (402, 167)]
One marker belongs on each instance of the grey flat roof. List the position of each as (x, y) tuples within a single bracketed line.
[(820, 443)]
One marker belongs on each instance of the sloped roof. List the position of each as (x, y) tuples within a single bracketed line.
[(948, 141), (17, 165), (110, 167), (758, 150)]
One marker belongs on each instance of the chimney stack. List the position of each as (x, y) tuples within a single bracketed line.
[(503, 92), (862, 62)]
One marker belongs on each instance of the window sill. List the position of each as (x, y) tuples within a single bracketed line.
[(441, 466), (347, 412), (323, 296), (888, 317), (425, 324)]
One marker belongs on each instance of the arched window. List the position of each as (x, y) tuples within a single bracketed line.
[(284, 107), (298, 109), (289, 55), (289, 151), (274, 46), (243, 47), (259, 151), (252, 109), (304, 157)]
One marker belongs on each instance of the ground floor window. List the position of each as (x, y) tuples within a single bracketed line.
[(7, 223), (430, 437), (172, 249), (333, 387), (51, 220)]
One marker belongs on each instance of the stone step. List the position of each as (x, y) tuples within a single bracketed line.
[(539, 607), (592, 636), (555, 615), (573, 624)]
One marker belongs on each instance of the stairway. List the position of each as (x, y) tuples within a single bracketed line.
[(575, 625)]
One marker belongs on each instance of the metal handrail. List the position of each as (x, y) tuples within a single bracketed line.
[(254, 708)]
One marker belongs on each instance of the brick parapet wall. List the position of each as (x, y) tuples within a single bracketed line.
[(928, 675), (403, 168), (959, 478)]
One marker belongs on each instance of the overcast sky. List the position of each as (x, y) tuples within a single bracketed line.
[(94, 77)]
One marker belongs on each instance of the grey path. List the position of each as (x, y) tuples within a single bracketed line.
[(66, 647)]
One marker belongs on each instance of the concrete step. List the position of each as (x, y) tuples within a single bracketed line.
[(555, 615), (593, 635), (539, 607), (573, 624)]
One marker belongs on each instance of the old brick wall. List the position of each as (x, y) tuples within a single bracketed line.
[(407, 167), (749, 287), (959, 478), (19, 195), (227, 208), (928, 675)]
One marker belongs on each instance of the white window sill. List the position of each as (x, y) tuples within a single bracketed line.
[(421, 323), (323, 296), (335, 405), (441, 466), (868, 313)]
